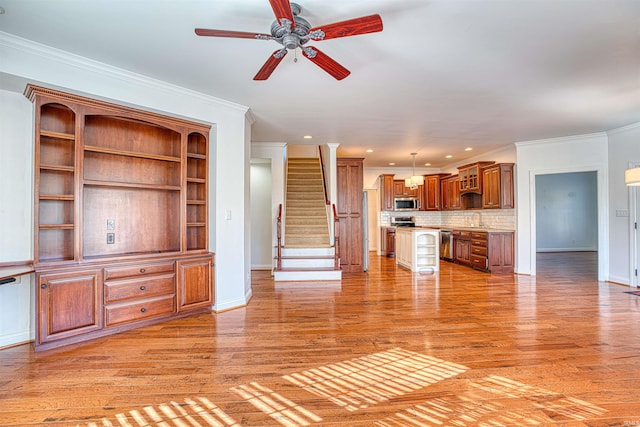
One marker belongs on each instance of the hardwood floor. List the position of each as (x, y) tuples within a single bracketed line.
[(385, 348)]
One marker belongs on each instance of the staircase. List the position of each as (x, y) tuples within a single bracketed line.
[(307, 253)]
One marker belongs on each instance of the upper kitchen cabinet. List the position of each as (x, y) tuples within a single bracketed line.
[(432, 200), (497, 186), (386, 192), (450, 189), (471, 177)]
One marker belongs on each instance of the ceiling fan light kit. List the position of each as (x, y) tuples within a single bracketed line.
[(292, 32)]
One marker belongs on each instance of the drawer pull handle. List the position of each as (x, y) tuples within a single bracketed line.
[(43, 286), (142, 270), (143, 309), (143, 288)]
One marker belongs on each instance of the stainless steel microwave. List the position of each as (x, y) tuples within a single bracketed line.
[(406, 204)]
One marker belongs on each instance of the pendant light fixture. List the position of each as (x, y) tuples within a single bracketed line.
[(414, 181), (632, 176)]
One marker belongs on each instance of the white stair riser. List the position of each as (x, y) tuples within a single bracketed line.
[(307, 263), (299, 276), (307, 252)]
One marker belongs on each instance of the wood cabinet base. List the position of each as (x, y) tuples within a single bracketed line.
[(79, 303)]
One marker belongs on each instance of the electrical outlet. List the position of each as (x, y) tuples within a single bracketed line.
[(111, 238), (111, 224)]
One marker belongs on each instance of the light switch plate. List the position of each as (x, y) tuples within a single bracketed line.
[(111, 224), (622, 213), (111, 238)]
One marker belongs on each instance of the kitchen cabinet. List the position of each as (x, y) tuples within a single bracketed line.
[(401, 190), (497, 186), (121, 196), (418, 250), (386, 192), (431, 194), (388, 241), (471, 177), (349, 177), (489, 250), (450, 188), (462, 247)]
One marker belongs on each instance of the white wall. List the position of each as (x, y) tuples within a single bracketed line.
[(16, 214), (261, 219), (559, 155), (566, 212), (276, 153), (230, 136), (624, 148)]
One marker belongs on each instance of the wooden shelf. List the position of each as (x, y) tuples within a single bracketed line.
[(196, 224), (60, 197), (59, 168), (196, 202), (105, 150), (94, 183), (56, 226), (197, 180), (58, 135), (197, 156)]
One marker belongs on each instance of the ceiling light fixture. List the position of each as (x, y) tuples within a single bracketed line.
[(448, 156), (632, 176), (414, 181), (392, 164), (427, 164), (468, 149), (369, 150), (307, 137)]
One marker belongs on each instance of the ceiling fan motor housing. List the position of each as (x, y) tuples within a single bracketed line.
[(291, 39)]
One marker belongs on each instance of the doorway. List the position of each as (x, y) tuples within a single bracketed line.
[(567, 222)]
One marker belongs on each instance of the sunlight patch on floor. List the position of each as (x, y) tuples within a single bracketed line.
[(276, 406), (360, 383)]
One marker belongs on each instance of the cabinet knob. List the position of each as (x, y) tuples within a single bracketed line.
[(143, 310), (43, 286), (142, 270), (143, 288)]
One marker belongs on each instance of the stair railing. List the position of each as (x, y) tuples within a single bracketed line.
[(336, 234), (324, 178), (279, 239)]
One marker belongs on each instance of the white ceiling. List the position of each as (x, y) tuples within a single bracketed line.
[(443, 75)]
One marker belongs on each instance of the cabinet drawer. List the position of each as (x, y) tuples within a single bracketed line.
[(479, 261), (482, 243), (138, 270), (139, 309), (462, 235), (119, 290), (478, 235), (479, 250)]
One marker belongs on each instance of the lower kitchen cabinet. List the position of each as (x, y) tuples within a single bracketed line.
[(490, 251), (69, 304), (76, 304), (388, 241)]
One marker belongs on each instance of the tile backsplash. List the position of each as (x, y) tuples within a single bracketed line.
[(504, 219)]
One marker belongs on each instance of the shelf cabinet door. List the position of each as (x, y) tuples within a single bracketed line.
[(69, 304), (195, 283), (386, 194)]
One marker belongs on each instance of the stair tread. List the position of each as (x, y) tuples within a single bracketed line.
[(308, 269)]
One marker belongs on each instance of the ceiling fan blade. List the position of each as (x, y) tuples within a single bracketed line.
[(282, 9), (326, 63), (233, 34), (351, 27), (270, 65)]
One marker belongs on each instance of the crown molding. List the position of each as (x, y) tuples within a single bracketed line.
[(571, 138), (32, 48), (624, 129)]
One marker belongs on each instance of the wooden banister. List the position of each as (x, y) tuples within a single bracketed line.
[(336, 236), (279, 239), (324, 179)]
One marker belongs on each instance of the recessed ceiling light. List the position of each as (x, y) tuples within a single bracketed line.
[(468, 149), (427, 164), (448, 156), (392, 164), (369, 150), (307, 137)]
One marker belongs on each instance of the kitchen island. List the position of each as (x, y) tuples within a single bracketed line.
[(418, 249)]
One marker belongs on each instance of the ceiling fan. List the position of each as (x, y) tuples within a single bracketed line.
[(292, 32)]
